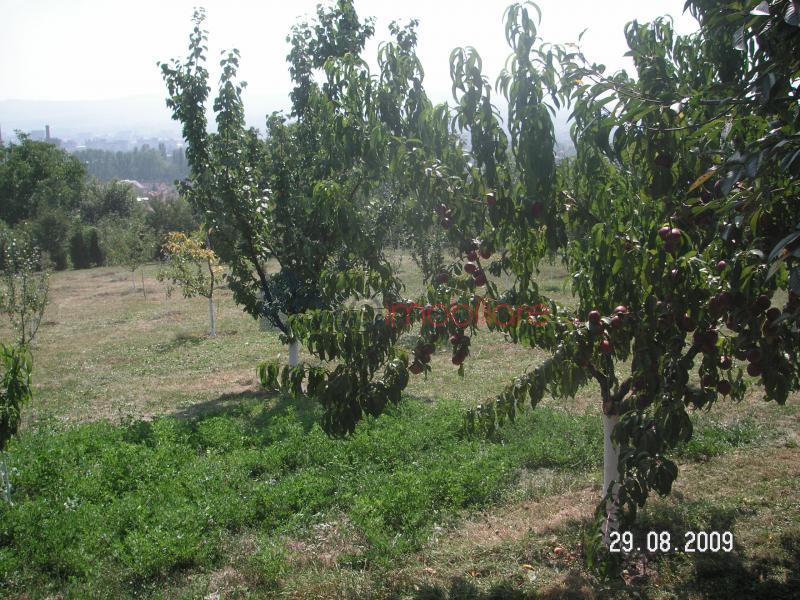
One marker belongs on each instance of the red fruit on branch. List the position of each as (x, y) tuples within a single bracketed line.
[(724, 387), (721, 266), (480, 278), (773, 313), (446, 222), (416, 367), (674, 236), (753, 355), (663, 233), (456, 338), (707, 380), (595, 317), (486, 253), (443, 277), (606, 347), (687, 324), (491, 199), (459, 357), (471, 267), (472, 255), (616, 322), (725, 362), (754, 369), (621, 310), (763, 302)]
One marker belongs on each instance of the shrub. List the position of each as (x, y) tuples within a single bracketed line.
[(24, 287)]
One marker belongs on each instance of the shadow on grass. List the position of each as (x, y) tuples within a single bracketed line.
[(180, 340), (725, 575), (256, 408), (715, 576), (461, 589)]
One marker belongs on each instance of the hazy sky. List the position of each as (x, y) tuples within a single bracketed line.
[(103, 49)]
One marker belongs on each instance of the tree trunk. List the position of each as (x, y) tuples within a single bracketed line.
[(144, 291), (294, 353), (610, 474), (5, 482), (212, 318), (133, 278)]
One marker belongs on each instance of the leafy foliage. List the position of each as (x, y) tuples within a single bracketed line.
[(129, 242), (15, 389), (35, 176)]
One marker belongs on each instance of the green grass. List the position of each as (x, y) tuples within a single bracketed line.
[(103, 503)]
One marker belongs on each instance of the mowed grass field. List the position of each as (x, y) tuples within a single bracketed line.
[(151, 464)]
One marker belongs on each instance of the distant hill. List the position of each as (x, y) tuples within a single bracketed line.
[(135, 116), (140, 117)]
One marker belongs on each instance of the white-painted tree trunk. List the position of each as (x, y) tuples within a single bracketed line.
[(212, 319), (610, 474), (294, 353)]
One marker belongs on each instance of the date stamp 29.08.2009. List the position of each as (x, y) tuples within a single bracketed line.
[(663, 542)]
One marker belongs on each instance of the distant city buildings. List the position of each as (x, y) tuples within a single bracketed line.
[(124, 141)]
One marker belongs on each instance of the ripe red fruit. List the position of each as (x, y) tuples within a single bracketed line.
[(616, 322), (708, 380), (687, 324), (428, 349), (471, 267), (595, 317), (725, 362), (724, 299), (763, 302), (621, 309), (674, 236), (663, 233), (753, 355), (441, 210), (446, 222), (714, 307), (491, 199), (724, 387), (456, 339), (472, 255), (773, 313), (480, 278), (442, 277), (416, 367), (426, 358), (537, 210), (486, 253), (754, 369), (722, 265), (458, 357), (606, 347)]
